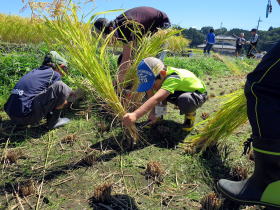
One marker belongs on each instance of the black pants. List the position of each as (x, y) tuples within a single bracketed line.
[(252, 48), (187, 101), (208, 47), (262, 91)]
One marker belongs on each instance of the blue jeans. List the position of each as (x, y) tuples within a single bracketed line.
[(208, 47)]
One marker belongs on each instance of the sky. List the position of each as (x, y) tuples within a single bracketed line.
[(186, 13)]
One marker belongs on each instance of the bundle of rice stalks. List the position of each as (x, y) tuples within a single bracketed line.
[(147, 46), (222, 123), (154, 171), (102, 194), (211, 202), (88, 54)]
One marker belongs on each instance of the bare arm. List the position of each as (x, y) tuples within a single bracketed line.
[(131, 118), (125, 62)]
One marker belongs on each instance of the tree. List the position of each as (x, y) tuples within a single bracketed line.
[(194, 35), (205, 30)]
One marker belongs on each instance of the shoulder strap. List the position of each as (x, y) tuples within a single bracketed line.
[(50, 81), (173, 75)]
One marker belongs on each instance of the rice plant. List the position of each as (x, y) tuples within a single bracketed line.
[(148, 46), (228, 62), (87, 52), (15, 29), (177, 44), (232, 114)]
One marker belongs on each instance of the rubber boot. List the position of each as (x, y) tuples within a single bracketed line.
[(189, 121), (262, 188), (54, 120)]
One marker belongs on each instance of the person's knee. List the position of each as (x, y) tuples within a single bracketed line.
[(61, 92), (186, 103)]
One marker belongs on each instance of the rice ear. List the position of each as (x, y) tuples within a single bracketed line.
[(88, 54), (220, 125)]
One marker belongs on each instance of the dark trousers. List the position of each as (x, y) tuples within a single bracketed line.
[(187, 101), (208, 47), (262, 91), (251, 50)]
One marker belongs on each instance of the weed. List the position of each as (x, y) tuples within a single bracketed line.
[(204, 115), (212, 95), (222, 93), (190, 149), (12, 156), (211, 202), (103, 127), (102, 193), (239, 173), (27, 188), (69, 139), (154, 171), (90, 159)]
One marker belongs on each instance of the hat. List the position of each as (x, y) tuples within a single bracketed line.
[(58, 59), (100, 23), (147, 71), (254, 30)]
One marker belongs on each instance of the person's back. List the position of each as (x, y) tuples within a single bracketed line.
[(210, 41), (28, 87), (40, 93), (211, 38), (150, 19)]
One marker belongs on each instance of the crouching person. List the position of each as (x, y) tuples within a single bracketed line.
[(40, 93), (178, 86)]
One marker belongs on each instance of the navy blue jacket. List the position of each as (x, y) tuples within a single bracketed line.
[(28, 87)]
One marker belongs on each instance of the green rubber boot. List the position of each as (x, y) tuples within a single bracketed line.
[(189, 122), (262, 188)]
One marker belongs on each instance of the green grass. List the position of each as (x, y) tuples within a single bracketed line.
[(69, 184), (202, 65)]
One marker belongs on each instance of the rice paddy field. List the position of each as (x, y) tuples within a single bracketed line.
[(87, 163)]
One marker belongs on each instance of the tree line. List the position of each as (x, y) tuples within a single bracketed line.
[(266, 38)]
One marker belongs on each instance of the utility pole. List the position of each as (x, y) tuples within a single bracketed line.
[(259, 23), (221, 26)]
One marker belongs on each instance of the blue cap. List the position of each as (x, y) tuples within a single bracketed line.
[(146, 77)]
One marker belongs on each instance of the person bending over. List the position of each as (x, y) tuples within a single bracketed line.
[(40, 93), (149, 20), (177, 86)]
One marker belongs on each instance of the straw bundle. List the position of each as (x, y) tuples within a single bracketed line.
[(231, 115), (147, 46), (88, 54)]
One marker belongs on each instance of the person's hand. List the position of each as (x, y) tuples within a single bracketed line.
[(129, 119)]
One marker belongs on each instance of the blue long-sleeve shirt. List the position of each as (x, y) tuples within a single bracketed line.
[(210, 39)]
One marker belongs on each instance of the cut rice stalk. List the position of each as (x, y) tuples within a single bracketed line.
[(221, 124), (88, 53)]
